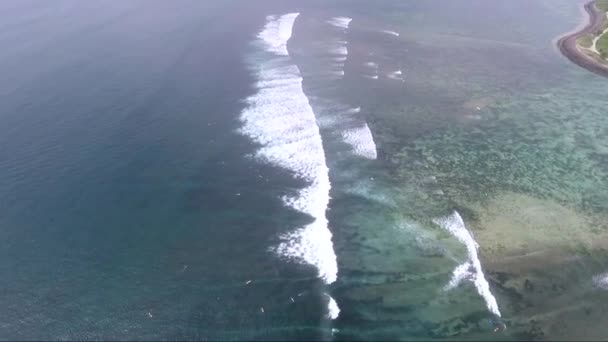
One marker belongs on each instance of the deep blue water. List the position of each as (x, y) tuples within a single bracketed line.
[(120, 169)]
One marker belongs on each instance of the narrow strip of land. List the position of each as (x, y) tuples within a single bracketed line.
[(590, 57)]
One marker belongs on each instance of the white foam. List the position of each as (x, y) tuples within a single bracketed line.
[(335, 120), (353, 110), (277, 32), (341, 22), (333, 311), (361, 140), (601, 281), (374, 77), (391, 33), (372, 65), (280, 119), (455, 225), (460, 273), (395, 75), (339, 50)]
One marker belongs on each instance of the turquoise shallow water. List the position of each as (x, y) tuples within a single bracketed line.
[(487, 107), (132, 208)]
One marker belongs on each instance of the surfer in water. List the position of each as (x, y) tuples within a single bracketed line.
[(498, 325)]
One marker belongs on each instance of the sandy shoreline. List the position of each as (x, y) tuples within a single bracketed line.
[(568, 47)]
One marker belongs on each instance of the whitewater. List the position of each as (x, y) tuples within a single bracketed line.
[(340, 50), (279, 118), (471, 269)]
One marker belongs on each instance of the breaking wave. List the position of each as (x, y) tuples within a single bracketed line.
[(361, 140), (340, 22), (471, 270), (279, 118)]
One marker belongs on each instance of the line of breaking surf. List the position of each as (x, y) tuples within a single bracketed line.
[(340, 22), (361, 141), (470, 270), (392, 33), (279, 117), (358, 136), (340, 51)]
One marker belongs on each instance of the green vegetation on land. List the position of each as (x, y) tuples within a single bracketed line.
[(602, 5), (585, 41), (602, 43), (602, 46)]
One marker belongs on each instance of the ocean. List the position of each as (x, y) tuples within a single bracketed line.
[(299, 170)]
